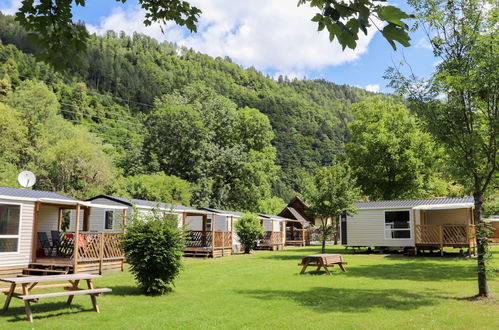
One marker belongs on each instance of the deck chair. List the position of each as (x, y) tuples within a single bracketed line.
[(44, 242), (56, 239)]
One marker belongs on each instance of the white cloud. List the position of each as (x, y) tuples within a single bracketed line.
[(12, 8), (424, 43), (267, 34), (373, 88)]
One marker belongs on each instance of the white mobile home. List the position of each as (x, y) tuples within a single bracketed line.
[(420, 224), (205, 237), (33, 239)]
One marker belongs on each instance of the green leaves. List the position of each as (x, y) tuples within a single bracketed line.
[(154, 247), (61, 40), (249, 229), (358, 15), (393, 32)]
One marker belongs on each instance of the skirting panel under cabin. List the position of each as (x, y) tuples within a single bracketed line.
[(106, 267)]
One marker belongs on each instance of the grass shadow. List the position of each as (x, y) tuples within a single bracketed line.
[(415, 271), (55, 309), (298, 253), (125, 291), (325, 299)]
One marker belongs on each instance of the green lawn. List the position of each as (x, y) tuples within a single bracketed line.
[(264, 290)]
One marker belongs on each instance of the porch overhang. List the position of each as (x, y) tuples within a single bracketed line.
[(444, 206)]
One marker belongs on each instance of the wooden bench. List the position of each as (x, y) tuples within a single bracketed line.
[(323, 261), (92, 292), (29, 283)]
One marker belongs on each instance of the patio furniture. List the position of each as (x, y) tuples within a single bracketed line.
[(323, 261), (30, 283), (56, 238), (45, 242)]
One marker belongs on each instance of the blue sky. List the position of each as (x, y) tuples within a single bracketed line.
[(272, 35)]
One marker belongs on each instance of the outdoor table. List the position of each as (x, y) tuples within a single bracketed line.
[(322, 261), (30, 282)]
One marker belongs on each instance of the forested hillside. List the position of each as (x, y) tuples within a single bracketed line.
[(115, 91), (152, 120)]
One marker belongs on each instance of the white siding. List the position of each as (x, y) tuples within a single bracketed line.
[(97, 218), (23, 255), (367, 228), (48, 219)]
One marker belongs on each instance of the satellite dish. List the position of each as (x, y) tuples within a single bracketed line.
[(26, 179)]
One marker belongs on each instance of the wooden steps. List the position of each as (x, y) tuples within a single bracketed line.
[(45, 269)]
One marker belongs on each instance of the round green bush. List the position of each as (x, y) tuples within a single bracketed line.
[(249, 229), (154, 248)]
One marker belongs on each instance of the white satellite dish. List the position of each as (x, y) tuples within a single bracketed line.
[(26, 179)]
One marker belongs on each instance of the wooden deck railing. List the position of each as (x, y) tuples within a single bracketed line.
[(92, 246), (196, 238), (271, 238), (296, 235), (445, 235)]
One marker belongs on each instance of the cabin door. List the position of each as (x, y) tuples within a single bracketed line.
[(343, 220)]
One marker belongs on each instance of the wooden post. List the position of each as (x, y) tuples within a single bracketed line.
[(231, 232), (123, 221), (36, 217), (213, 232), (184, 216), (441, 240), (303, 235), (76, 239), (59, 220), (101, 251), (86, 219)]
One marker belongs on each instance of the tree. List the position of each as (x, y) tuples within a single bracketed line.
[(76, 164), (51, 26), (249, 230), (344, 19), (391, 156), (458, 103), (154, 246), (156, 187), (335, 192), (202, 137), (273, 205)]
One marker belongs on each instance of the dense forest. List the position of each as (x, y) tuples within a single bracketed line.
[(153, 120)]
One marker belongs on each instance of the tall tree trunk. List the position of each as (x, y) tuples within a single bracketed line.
[(323, 250), (483, 290)]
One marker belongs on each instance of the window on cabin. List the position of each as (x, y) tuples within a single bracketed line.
[(397, 225), (10, 219), (109, 220), (208, 224)]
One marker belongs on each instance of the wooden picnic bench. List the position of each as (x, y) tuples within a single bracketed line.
[(72, 288), (323, 261)]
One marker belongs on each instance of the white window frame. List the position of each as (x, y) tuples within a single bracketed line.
[(18, 236), (104, 223), (390, 230), (210, 219)]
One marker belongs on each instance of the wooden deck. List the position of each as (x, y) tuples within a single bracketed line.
[(272, 240), (296, 237), (441, 236), (208, 244), (97, 253)]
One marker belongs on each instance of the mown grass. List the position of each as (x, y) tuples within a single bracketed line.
[(264, 290)]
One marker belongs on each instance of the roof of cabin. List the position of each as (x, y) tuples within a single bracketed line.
[(409, 203), (29, 193), (237, 214), (141, 202)]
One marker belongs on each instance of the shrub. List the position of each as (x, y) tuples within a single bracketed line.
[(249, 229), (154, 247)]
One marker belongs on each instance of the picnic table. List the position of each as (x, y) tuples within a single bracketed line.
[(72, 288), (322, 261)]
